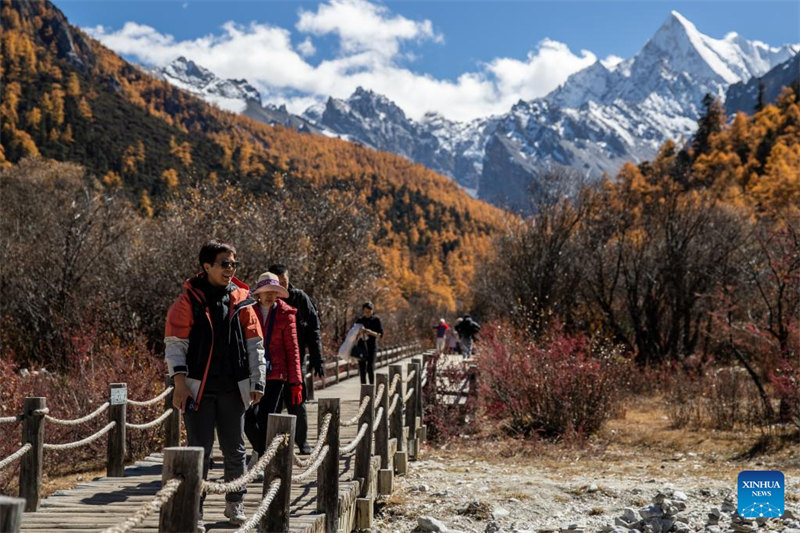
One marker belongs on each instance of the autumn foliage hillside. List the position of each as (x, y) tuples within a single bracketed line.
[(68, 98)]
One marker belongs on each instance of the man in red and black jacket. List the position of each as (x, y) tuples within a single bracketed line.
[(215, 353)]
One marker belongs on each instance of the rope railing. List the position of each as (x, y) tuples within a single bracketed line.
[(152, 401), (41, 412), (378, 417), (241, 482), (153, 423), (262, 507), (395, 382), (323, 435), (162, 496), (9, 419), (312, 470), (411, 375), (361, 410), (76, 421), (82, 442), (393, 406), (16, 455), (352, 446), (408, 395), (379, 394)]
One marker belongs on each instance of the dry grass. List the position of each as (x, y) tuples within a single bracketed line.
[(641, 441)]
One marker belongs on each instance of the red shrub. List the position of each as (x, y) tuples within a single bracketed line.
[(561, 386), (95, 361)]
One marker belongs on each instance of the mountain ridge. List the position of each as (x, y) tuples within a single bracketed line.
[(597, 119)]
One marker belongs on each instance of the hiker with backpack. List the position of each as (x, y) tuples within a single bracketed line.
[(467, 329)]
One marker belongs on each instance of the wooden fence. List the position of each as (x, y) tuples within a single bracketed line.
[(390, 416)]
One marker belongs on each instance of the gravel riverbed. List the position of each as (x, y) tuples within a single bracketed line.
[(452, 492)]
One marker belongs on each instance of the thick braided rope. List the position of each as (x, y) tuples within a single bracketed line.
[(16, 455), (395, 400), (241, 482), (152, 401), (152, 423), (408, 395), (9, 419), (262, 507), (352, 446), (378, 417), (424, 380), (163, 496), (410, 376), (395, 382), (82, 442), (309, 473), (77, 421), (361, 410), (323, 435), (379, 394), (41, 412)]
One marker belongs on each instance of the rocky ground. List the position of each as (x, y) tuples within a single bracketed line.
[(623, 481)]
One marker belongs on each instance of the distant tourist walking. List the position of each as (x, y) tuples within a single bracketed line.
[(283, 380), (215, 314), (308, 337), (368, 343), (467, 329), (441, 335)]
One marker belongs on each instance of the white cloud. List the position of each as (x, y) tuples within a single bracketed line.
[(307, 48), (370, 56), (362, 26)]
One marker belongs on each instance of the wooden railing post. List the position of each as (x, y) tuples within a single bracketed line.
[(382, 433), (182, 511), (420, 397), (277, 517), (385, 474), (364, 447), (30, 470), (337, 369), (328, 473), (172, 426), (11, 514), (115, 457), (411, 412), (396, 422)]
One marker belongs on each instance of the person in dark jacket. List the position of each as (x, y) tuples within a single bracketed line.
[(368, 343), (467, 329), (283, 381), (308, 337), (215, 354)]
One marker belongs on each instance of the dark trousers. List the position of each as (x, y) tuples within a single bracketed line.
[(223, 411), (366, 368), (255, 419), (301, 425)]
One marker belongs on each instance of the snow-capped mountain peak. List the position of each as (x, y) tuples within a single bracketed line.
[(599, 118), (228, 94)]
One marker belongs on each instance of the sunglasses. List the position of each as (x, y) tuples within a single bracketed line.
[(229, 264)]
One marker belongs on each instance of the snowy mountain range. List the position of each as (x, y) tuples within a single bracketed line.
[(598, 119)]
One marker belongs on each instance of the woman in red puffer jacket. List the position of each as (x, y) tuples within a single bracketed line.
[(282, 352)]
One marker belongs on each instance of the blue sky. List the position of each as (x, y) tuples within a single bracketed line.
[(464, 59)]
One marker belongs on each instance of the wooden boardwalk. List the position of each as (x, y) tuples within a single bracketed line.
[(104, 502)]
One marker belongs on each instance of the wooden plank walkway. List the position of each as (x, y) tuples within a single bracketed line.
[(104, 502)]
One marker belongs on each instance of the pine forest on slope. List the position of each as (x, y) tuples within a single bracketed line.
[(69, 98)]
